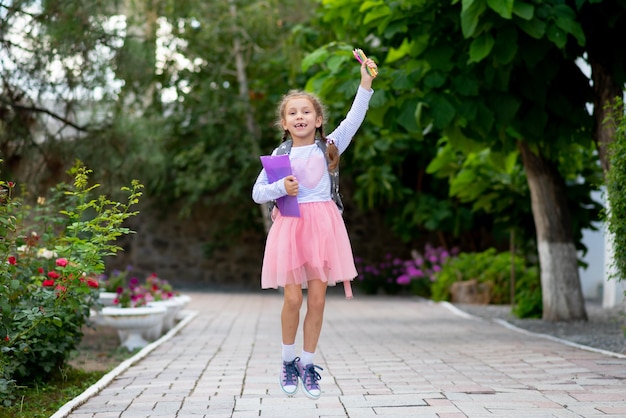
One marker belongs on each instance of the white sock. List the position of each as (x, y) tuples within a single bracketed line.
[(306, 358), (289, 352)]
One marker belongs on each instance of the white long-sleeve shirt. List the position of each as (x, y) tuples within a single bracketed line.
[(308, 163)]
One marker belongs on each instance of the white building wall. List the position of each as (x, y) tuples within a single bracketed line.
[(597, 281)]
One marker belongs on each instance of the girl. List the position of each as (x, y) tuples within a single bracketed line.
[(311, 251)]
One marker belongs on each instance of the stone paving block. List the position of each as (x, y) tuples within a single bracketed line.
[(405, 412), (612, 409), (133, 414), (361, 412), (391, 356)]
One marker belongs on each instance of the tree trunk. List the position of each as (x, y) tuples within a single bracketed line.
[(606, 95), (244, 96), (560, 281)]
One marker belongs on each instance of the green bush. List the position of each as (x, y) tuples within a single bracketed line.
[(616, 191), (50, 255), (495, 269), (528, 296)]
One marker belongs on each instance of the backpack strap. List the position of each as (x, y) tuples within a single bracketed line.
[(334, 178), (285, 147)]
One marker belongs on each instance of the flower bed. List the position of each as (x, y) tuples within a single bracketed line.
[(53, 249), (394, 275), (132, 297)]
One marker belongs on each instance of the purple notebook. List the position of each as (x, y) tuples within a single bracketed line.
[(277, 167)]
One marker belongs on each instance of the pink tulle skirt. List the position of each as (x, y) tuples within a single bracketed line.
[(313, 246)]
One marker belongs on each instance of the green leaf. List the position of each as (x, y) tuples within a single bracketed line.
[(335, 63), (481, 47), (466, 85), (408, 116), (535, 28), (524, 10), (558, 36), (503, 7), (505, 47), (434, 79), (442, 110), (470, 14), (57, 322), (461, 142), (315, 57), (376, 13), (445, 163), (566, 20), (400, 52), (440, 58)]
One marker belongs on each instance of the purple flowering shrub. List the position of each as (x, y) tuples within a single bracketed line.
[(394, 275)]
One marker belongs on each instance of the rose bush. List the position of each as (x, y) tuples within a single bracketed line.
[(50, 254)]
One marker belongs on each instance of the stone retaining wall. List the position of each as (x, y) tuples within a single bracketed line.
[(187, 252)]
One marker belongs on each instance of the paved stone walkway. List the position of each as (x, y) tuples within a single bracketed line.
[(382, 357)]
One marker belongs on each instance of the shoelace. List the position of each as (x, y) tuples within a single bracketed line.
[(291, 372), (311, 376)]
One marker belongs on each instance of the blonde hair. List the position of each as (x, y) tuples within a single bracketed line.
[(332, 152)]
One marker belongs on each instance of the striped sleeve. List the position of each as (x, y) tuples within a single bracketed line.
[(263, 191), (346, 130)]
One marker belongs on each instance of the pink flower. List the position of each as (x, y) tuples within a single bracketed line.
[(61, 262), (403, 279), (91, 282)]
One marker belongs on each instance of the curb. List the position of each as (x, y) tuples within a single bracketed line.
[(510, 326), (66, 409)]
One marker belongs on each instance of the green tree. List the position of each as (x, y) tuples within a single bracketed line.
[(55, 66), (501, 75), (178, 94)]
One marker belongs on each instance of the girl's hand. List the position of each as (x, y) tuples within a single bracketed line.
[(366, 78), (291, 185)]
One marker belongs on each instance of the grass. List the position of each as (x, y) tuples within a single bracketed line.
[(44, 399), (98, 353)]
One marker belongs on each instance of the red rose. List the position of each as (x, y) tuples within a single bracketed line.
[(10, 184), (48, 283), (41, 270), (12, 260), (6, 338), (91, 282), (61, 262), (53, 275)]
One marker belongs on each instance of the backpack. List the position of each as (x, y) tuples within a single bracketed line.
[(285, 148)]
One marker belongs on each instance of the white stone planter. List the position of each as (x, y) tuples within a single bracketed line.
[(107, 298), (133, 323), (174, 306)]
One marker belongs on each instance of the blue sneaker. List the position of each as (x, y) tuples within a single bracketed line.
[(310, 377), (289, 377)]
